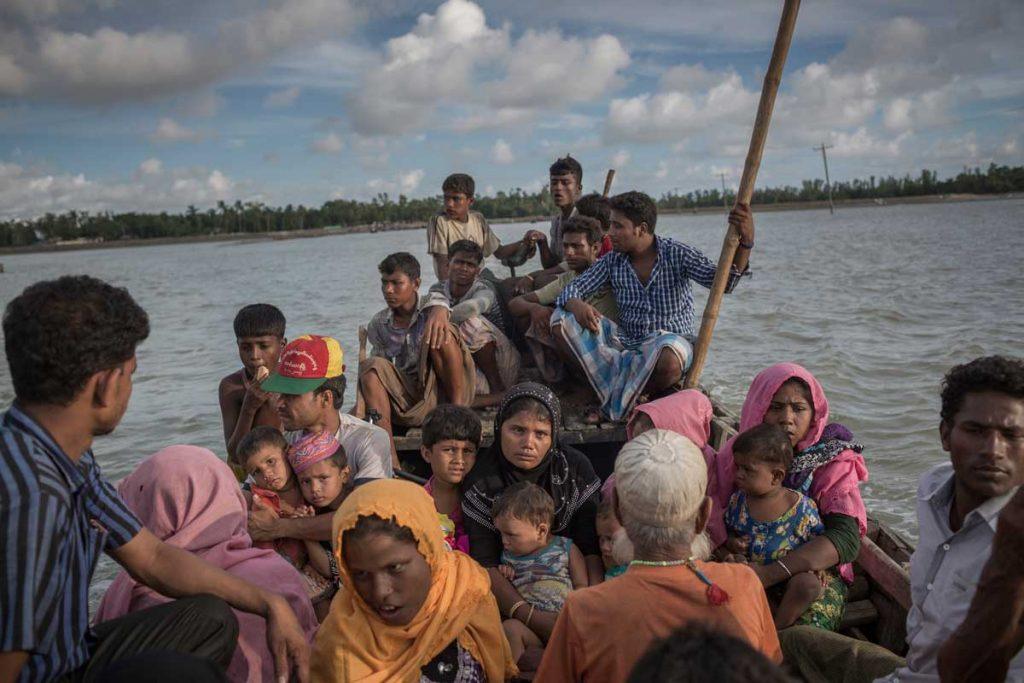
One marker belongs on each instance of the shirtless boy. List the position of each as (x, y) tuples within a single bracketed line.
[(259, 333)]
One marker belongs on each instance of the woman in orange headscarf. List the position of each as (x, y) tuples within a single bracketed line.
[(409, 608)]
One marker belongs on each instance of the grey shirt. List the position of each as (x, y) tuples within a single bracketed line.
[(480, 299), (400, 345), (366, 445), (944, 573)]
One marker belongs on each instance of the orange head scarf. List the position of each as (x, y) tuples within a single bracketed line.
[(353, 644)]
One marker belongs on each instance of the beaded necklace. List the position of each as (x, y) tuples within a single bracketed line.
[(716, 595)]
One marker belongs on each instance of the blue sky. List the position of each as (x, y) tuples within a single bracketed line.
[(144, 105)]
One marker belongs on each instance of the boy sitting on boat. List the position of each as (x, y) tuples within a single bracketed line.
[(457, 222), (650, 349), (259, 334), (581, 242), (471, 303), (414, 366)]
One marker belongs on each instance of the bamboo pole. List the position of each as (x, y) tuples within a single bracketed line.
[(360, 401), (608, 182), (772, 78)]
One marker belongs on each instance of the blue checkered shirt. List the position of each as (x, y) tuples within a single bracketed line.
[(57, 516), (664, 304)]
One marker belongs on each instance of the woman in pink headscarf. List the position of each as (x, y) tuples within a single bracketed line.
[(827, 466), (189, 498), (687, 413)]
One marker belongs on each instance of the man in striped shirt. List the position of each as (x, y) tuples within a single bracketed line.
[(650, 349), (70, 344)]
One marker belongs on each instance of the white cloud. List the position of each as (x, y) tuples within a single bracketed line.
[(110, 64), (279, 99), (329, 144), (404, 182), (28, 192), (169, 130), (501, 152), (453, 58), (151, 166), (620, 159)]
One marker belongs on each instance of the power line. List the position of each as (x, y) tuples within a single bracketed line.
[(828, 183)]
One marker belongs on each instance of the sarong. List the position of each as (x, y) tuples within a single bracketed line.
[(616, 373), (541, 344), (476, 333), (412, 398)]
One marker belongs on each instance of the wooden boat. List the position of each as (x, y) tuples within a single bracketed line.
[(877, 605)]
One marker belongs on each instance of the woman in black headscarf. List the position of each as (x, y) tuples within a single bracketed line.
[(526, 448)]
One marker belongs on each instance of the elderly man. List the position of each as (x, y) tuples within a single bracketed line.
[(602, 631)]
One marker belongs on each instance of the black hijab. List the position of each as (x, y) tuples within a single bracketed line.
[(564, 472)]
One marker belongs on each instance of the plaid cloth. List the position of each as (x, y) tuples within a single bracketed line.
[(618, 374), (664, 304)]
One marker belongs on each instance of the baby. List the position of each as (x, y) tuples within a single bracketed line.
[(265, 455), (544, 568), (616, 549), (766, 521)]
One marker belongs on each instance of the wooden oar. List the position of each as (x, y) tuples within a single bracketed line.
[(360, 401), (608, 182), (746, 190)]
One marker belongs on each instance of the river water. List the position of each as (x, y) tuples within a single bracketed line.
[(878, 302)]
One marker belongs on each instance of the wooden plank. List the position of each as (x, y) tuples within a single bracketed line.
[(859, 613), (886, 573), (859, 590)]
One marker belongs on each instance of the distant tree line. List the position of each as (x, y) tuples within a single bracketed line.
[(256, 217)]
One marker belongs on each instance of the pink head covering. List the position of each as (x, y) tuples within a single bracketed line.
[(836, 485), (310, 449), (688, 413), (769, 381), (188, 498)]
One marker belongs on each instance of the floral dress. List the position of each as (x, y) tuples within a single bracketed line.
[(772, 540)]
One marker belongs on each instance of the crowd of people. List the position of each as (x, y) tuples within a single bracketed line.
[(303, 556)]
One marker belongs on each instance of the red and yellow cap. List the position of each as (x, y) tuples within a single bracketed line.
[(306, 363)]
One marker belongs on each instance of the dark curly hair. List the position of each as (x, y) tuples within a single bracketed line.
[(466, 247), (335, 385), (637, 207), (373, 525), (459, 183), (59, 333), (988, 373), (401, 262), (765, 443), (456, 423), (697, 652), (565, 166), (589, 227), (259, 320), (594, 205)]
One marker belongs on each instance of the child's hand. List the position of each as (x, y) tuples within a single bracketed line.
[(507, 571), (254, 394), (302, 511)]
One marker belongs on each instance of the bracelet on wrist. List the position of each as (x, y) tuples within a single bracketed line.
[(514, 607), (746, 245)]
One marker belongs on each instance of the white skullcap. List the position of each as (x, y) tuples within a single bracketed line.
[(661, 479)]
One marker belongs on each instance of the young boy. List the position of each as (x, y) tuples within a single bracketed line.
[(458, 222), (418, 357), (543, 567), (581, 242), (259, 333), (566, 178), (651, 347), (451, 437), (473, 306), (595, 206)]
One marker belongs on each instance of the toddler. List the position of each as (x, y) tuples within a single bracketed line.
[(542, 567), (766, 521), (451, 436), (616, 550), (264, 454)]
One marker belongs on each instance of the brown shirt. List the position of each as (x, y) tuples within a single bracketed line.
[(604, 630)]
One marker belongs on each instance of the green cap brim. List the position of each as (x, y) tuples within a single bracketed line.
[(276, 384)]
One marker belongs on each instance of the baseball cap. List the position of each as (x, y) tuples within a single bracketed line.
[(306, 363)]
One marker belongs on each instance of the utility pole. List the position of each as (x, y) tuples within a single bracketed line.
[(828, 183), (725, 204)]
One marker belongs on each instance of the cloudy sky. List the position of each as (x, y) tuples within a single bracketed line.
[(146, 105)]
